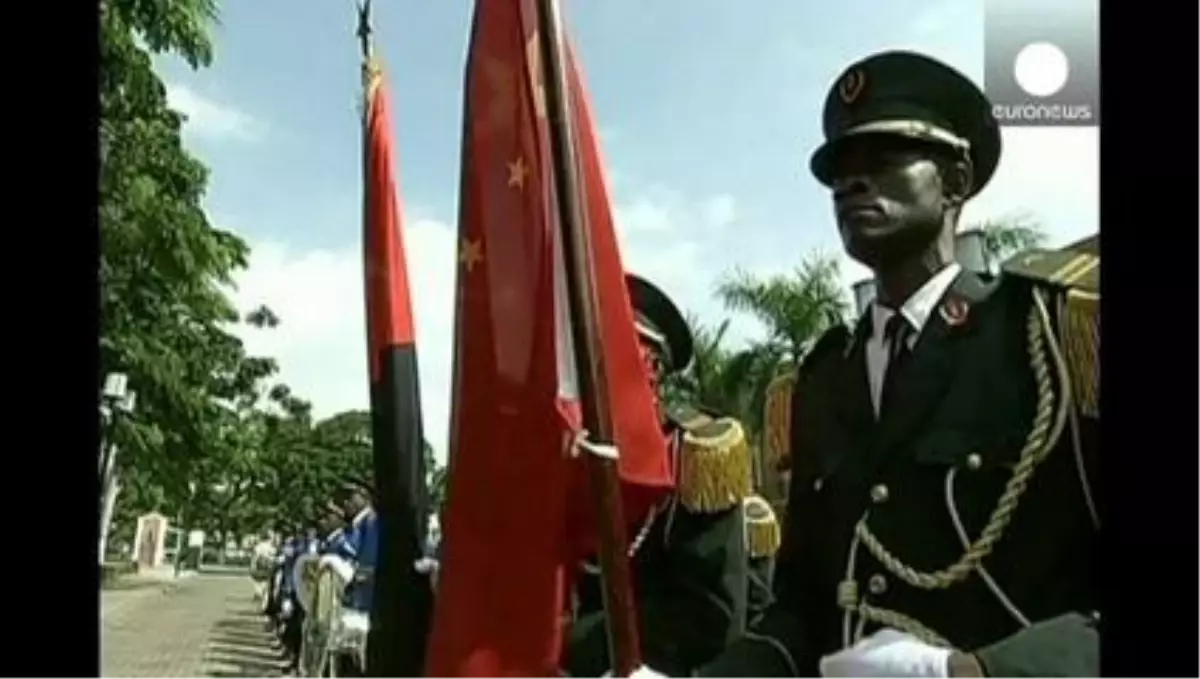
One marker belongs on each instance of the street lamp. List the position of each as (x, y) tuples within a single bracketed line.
[(864, 294), (116, 400), (970, 252)]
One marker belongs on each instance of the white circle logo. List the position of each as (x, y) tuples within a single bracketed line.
[(1041, 69)]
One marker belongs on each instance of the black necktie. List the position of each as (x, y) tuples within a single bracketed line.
[(895, 334)]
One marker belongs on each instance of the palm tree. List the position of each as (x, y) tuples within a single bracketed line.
[(1004, 237), (707, 382), (795, 310)]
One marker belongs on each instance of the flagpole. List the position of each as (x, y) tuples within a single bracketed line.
[(400, 598), (594, 398)]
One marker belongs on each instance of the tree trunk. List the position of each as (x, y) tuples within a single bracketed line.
[(108, 503)]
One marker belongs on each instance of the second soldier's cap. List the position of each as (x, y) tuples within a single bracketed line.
[(914, 96), (661, 323)]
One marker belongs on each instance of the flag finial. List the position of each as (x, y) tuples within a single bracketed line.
[(364, 28)]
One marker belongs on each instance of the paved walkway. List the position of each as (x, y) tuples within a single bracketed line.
[(202, 626)]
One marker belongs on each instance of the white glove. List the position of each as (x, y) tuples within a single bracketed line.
[(643, 672), (888, 653)]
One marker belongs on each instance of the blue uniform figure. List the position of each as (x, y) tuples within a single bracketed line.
[(292, 549), (334, 542), (362, 548)]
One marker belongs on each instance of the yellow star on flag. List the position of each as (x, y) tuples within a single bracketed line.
[(517, 171), (470, 253)]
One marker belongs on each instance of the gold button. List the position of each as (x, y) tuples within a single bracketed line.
[(877, 584), (818, 484), (879, 494), (974, 461)]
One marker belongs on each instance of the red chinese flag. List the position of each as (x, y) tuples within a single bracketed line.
[(401, 599), (515, 494)]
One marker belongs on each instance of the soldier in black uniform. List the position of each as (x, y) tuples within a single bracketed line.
[(701, 560), (940, 518)]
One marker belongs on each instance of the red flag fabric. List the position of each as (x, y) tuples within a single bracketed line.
[(515, 498), (401, 598)]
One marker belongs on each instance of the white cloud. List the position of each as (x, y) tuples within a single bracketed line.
[(210, 119), (318, 296), (645, 215), (678, 243), (320, 343)]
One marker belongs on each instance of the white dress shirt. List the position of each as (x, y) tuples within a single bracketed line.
[(916, 310)]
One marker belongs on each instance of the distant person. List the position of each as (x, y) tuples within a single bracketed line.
[(262, 559)]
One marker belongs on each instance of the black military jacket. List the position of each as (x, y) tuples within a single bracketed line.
[(945, 451), (696, 586)]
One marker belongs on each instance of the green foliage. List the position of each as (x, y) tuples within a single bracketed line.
[(165, 316), (1005, 237), (707, 383), (437, 479), (794, 309)]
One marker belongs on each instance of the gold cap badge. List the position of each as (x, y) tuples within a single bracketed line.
[(852, 85)]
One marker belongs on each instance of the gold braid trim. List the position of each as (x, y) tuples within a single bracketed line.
[(1079, 323), (715, 471), (1048, 424), (763, 534), (849, 600)]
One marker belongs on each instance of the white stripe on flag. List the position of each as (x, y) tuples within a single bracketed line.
[(564, 347)]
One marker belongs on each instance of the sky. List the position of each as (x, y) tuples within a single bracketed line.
[(708, 112)]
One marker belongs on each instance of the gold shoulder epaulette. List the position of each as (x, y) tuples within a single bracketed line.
[(1072, 279), (714, 466), (777, 421), (1061, 269), (763, 534)]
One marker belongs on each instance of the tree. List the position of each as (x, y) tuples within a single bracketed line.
[(1006, 236), (707, 383), (437, 477), (164, 271), (794, 309)]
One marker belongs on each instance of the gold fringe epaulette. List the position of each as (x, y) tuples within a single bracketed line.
[(1079, 320), (1072, 277), (715, 467), (777, 421), (1059, 269), (763, 534)]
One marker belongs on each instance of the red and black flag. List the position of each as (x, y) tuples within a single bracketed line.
[(402, 598), (518, 517)]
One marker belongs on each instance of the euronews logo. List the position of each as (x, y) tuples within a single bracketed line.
[(1042, 62)]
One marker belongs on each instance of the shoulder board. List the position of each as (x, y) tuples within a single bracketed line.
[(715, 467), (1072, 277), (763, 534), (832, 341), (1061, 269)]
